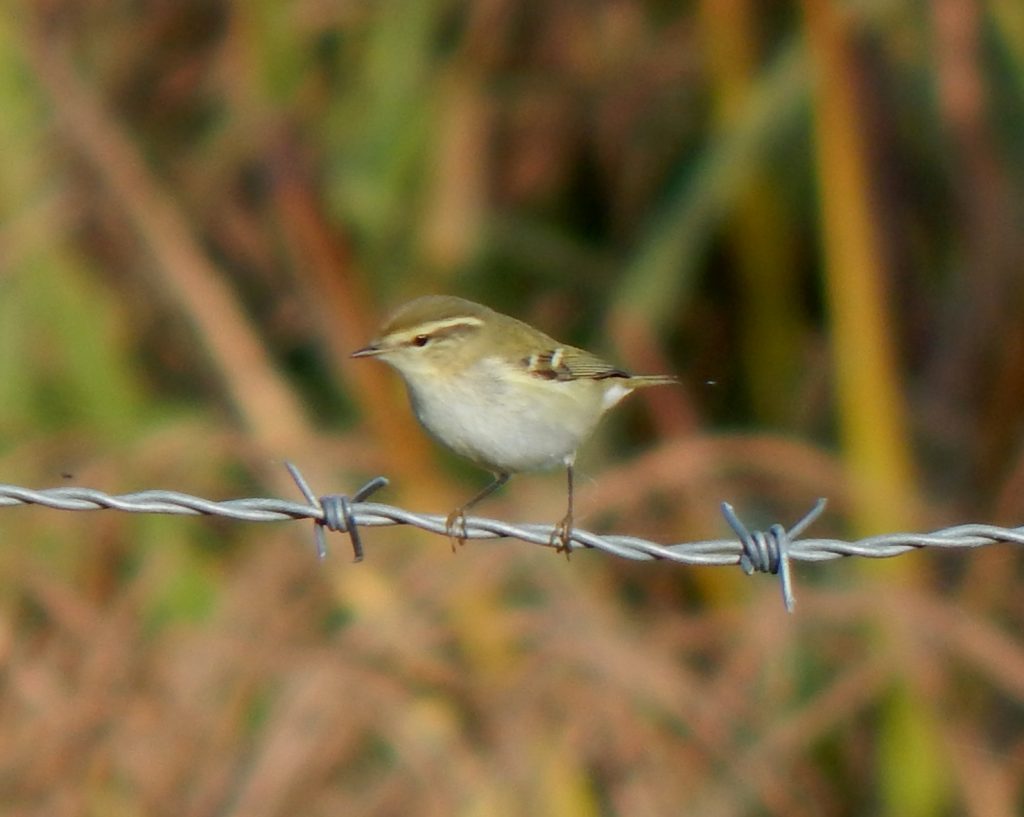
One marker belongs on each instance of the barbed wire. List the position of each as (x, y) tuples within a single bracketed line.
[(754, 551)]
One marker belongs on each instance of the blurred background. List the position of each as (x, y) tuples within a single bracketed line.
[(811, 211)]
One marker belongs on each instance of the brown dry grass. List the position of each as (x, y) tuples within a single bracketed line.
[(204, 207)]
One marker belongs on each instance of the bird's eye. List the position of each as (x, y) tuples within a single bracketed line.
[(421, 340)]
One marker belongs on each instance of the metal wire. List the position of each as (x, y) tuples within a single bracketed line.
[(759, 551)]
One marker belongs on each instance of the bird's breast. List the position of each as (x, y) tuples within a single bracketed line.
[(505, 422)]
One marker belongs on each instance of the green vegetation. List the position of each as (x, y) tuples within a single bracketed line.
[(812, 212)]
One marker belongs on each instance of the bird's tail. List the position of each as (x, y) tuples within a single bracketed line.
[(642, 380)]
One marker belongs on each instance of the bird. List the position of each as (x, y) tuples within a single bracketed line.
[(499, 392)]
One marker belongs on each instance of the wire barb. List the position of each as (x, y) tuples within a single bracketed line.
[(769, 551), (334, 512)]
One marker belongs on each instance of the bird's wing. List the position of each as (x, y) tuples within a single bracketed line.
[(570, 363)]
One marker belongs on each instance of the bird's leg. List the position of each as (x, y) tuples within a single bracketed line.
[(561, 536), (458, 516)]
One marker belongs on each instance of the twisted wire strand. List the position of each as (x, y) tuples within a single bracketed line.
[(759, 551)]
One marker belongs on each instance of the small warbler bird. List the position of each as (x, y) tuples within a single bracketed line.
[(499, 392)]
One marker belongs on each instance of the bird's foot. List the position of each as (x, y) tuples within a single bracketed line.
[(561, 536), (455, 527)]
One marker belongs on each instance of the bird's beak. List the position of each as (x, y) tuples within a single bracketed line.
[(368, 351)]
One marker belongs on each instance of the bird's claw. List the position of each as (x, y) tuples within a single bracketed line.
[(455, 527), (561, 536)]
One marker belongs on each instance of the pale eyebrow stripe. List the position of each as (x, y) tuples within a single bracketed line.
[(438, 326)]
